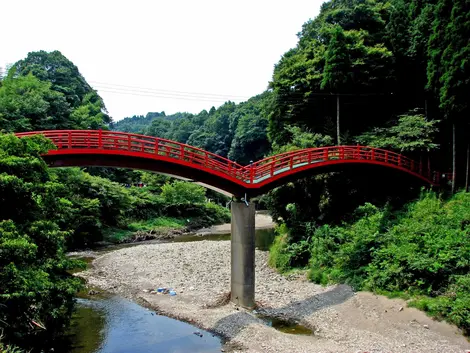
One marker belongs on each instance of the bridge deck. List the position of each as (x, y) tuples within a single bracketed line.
[(89, 144)]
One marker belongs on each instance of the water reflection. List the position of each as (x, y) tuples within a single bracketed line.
[(286, 326), (117, 325)]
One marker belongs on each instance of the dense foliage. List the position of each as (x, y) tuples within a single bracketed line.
[(380, 61), (236, 131), (36, 296), (80, 106), (422, 250)]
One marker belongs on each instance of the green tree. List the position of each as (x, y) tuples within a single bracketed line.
[(449, 69), (250, 142), (27, 103), (37, 293), (179, 193), (343, 50), (88, 109), (412, 133)]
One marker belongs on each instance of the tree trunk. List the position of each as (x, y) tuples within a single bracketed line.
[(337, 119), (468, 167), (453, 158)]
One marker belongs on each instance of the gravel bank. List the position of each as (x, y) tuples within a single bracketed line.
[(262, 221), (343, 321)]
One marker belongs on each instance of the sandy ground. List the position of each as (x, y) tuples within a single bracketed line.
[(262, 221), (342, 321)]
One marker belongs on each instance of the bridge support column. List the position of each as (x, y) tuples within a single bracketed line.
[(243, 254)]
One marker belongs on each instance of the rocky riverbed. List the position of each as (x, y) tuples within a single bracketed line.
[(262, 221), (199, 272)]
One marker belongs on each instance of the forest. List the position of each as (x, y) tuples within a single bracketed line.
[(391, 74)]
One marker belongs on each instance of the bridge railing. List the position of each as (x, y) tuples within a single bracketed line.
[(294, 159), (254, 173), (112, 140)]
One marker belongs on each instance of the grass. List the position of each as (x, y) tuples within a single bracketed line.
[(158, 223)]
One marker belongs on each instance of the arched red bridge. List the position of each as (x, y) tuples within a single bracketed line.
[(119, 149)]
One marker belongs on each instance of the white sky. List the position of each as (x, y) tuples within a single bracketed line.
[(216, 47)]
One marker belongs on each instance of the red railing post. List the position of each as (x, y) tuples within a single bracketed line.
[(309, 159), (372, 154), (358, 152), (399, 160), (341, 153), (272, 167), (156, 146), (291, 162), (129, 144), (69, 133), (88, 139), (386, 157), (60, 141), (325, 154), (181, 152), (100, 138), (252, 173)]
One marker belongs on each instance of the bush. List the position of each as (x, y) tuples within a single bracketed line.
[(452, 305), (278, 256), (180, 192), (422, 251), (425, 248), (342, 254), (207, 215), (284, 256)]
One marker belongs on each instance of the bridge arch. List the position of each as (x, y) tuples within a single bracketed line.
[(126, 150)]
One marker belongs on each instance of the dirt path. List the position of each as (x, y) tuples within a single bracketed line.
[(342, 321)]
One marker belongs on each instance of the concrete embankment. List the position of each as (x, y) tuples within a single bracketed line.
[(199, 272)]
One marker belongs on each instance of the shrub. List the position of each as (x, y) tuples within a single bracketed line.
[(284, 256), (422, 251), (180, 192)]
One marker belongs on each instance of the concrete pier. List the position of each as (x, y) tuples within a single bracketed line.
[(243, 254)]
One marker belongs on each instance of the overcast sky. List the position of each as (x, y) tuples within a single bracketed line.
[(158, 55)]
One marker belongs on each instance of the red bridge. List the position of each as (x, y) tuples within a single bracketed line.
[(119, 149)]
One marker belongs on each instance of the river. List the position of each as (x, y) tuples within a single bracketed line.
[(109, 323)]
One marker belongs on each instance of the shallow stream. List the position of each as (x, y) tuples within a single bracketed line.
[(113, 324)]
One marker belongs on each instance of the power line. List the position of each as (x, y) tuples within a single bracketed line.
[(163, 91), (294, 98), (143, 94)]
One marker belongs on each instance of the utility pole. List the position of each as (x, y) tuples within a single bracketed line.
[(468, 167), (453, 158), (337, 119)]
